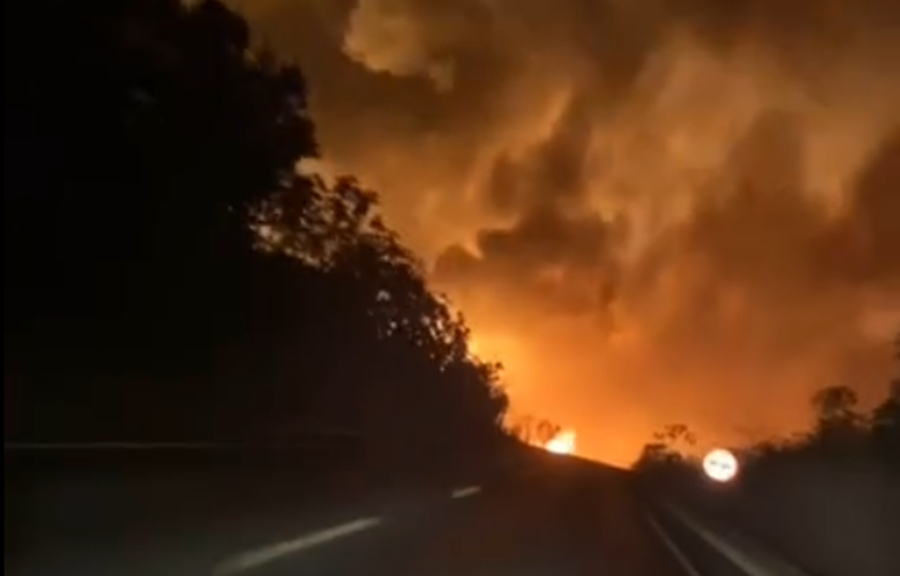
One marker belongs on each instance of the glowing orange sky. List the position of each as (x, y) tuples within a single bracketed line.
[(650, 212)]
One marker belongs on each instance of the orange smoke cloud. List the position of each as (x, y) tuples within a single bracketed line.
[(649, 211)]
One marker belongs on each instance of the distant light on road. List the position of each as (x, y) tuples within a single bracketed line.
[(562, 443), (720, 465)]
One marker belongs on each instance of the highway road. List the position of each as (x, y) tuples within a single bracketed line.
[(563, 520), (555, 516)]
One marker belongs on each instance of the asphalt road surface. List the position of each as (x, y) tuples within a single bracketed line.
[(556, 516), (565, 518)]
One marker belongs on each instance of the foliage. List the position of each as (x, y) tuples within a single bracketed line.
[(886, 420), (836, 409), (840, 431), (171, 275), (668, 448), (533, 430)]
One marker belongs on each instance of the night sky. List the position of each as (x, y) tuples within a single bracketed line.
[(650, 211)]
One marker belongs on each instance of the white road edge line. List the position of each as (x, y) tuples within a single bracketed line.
[(255, 558), (464, 492), (682, 560), (740, 558)]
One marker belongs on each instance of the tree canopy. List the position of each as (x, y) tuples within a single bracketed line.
[(170, 274), (840, 430)]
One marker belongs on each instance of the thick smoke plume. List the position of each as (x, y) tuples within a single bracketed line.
[(650, 210)]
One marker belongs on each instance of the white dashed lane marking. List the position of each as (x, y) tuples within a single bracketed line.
[(255, 558), (465, 492)]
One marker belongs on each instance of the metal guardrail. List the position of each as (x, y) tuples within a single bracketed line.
[(312, 438)]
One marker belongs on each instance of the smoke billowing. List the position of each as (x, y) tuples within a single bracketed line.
[(651, 210)]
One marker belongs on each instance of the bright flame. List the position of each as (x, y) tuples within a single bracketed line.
[(562, 443)]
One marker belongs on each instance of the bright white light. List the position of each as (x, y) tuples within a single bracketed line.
[(720, 465)]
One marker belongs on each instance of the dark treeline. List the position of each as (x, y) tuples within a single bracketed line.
[(840, 432), (823, 498), (170, 275)]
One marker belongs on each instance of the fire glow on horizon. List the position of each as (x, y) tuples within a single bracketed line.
[(562, 443), (755, 252)]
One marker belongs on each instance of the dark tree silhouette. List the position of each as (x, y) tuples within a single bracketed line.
[(533, 430), (137, 134), (835, 406), (886, 420), (667, 450), (404, 334), (840, 430), (676, 434), (839, 423), (170, 275)]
